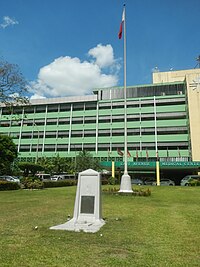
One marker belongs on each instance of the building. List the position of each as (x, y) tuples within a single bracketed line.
[(163, 122)]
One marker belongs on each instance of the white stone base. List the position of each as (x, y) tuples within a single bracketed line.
[(125, 186), (88, 227)]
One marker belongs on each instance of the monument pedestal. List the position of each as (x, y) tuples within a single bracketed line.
[(77, 226), (87, 208), (125, 186)]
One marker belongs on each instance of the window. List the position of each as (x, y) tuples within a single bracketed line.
[(51, 121), (29, 110), (5, 123), (63, 134), (76, 134), (62, 121), (24, 148), (90, 106), (49, 148), (90, 119), (52, 108), (62, 147), (65, 107), (40, 109), (89, 133), (51, 134), (78, 107)]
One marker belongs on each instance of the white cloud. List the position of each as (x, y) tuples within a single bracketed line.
[(67, 76), (104, 55), (36, 96), (7, 21)]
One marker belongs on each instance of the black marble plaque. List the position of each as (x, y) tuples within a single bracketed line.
[(87, 204)]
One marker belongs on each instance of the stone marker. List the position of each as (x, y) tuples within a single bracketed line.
[(87, 208)]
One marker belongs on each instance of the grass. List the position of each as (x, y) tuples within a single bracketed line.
[(159, 230)]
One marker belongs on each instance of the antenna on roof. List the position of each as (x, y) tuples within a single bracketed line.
[(198, 62), (155, 69)]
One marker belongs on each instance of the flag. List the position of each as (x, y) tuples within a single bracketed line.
[(167, 153), (120, 152), (121, 24), (136, 154), (128, 154), (147, 154), (179, 153), (157, 156), (109, 152)]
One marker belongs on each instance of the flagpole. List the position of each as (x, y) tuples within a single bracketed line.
[(125, 186), (125, 102)]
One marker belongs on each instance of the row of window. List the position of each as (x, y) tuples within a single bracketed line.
[(118, 159), (81, 106), (102, 119), (50, 108), (142, 91), (134, 148), (143, 103), (101, 133)]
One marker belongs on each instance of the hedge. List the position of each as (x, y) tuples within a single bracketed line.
[(195, 183), (59, 183), (5, 185)]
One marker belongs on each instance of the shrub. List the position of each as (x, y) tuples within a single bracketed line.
[(32, 183), (139, 192), (104, 181), (5, 185), (195, 183), (111, 180), (59, 183), (142, 192)]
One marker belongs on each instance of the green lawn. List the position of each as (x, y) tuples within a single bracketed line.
[(160, 230)]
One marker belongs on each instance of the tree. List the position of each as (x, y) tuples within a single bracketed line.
[(57, 165), (85, 161), (13, 85), (8, 152), (29, 168)]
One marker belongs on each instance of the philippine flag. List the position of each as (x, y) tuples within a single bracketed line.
[(121, 24)]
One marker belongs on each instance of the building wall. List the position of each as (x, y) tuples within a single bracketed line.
[(67, 126), (192, 78)]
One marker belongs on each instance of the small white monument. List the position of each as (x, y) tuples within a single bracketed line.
[(87, 209)]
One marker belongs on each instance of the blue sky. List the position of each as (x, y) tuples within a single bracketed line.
[(69, 47)]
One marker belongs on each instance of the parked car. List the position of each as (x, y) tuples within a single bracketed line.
[(137, 181), (188, 179), (57, 177), (10, 178), (149, 182), (165, 182), (43, 176)]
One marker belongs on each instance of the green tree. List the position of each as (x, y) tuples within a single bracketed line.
[(85, 160), (63, 164), (13, 86), (29, 168), (57, 165), (8, 152)]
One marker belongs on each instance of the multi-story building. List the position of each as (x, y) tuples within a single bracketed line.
[(163, 121)]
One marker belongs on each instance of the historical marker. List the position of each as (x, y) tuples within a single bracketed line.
[(87, 208)]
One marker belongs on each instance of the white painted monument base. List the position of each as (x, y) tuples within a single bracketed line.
[(88, 227), (125, 186), (87, 208)]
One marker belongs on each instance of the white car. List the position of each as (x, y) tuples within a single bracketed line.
[(165, 182), (57, 177), (10, 179)]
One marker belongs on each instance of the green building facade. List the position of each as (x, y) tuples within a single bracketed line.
[(157, 124)]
